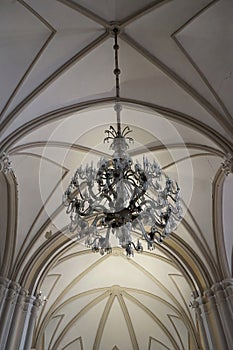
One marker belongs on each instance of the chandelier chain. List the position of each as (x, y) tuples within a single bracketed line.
[(117, 73)]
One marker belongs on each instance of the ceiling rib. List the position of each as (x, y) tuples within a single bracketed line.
[(159, 284), (56, 144), (34, 61), (142, 12), (6, 122), (62, 294), (203, 77), (12, 219), (77, 316), (209, 255), (189, 145), (192, 325), (174, 326), (154, 318), (180, 82), (84, 11), (57, 277), (67, 346), (157, 341), (217, 210), (61, 317), (37, 217), (128, 321), (166, 112), (192, 260), (35, 155)]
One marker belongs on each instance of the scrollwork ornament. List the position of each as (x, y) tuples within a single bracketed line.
[(5, 163), (227, 164)]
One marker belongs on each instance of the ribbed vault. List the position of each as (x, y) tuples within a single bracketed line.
[(56, 102)]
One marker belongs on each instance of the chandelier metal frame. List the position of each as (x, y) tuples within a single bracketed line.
[(119, 197)]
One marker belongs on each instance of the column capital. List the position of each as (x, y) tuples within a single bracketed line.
[(37, 303), (23, 294), (4, 281), (218, 288), (227, 164), (13, 290), (228, 282), (28, 301), (5, 163), (207, 295), (228, 287)]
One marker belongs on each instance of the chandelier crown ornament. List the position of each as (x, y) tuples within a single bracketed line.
[(120, 196)]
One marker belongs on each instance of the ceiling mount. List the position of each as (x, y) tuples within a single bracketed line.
[(114, 28)]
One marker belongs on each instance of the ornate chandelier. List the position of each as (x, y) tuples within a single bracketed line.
[(119, 197)]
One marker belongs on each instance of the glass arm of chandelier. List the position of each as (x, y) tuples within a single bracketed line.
[(129, 248), (100, 244)]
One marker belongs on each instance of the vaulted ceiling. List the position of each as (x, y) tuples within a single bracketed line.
[(57, 95)]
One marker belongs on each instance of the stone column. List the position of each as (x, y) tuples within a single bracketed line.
[(228, 287), (200, 323), (225, 311), (215, 317), (7, 312), (27, 313), (18, 321), (31, 324), (213, 321), (17, 316), (4, 283)]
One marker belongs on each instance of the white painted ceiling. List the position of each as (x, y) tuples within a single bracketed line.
[(57, 96)]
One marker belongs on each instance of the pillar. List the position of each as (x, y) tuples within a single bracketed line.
[(214, 314), (17, 315), (225, 311), (7, 312), (4, 283), (31, 324), (200, 324), (18, 320)]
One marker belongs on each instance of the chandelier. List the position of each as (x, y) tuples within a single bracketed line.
[(120, 197)]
